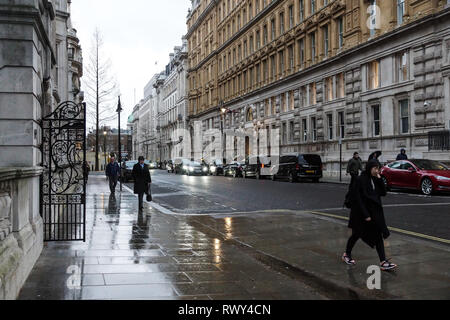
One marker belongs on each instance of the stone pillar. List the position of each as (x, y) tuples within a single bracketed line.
[(21, 230)]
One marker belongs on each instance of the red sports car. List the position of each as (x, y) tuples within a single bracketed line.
[(423, 175)]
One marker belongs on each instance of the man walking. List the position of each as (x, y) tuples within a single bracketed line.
[(142, 178), (402, 155), (113, 172), (354, 167)]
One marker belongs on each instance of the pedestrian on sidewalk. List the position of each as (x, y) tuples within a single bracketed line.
[(142, 179), (402, 155), (86, 170), (367, 217), (375, 155), (354, 167), (113, 172)]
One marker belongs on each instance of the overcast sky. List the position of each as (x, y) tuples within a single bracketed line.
[(137, 34)]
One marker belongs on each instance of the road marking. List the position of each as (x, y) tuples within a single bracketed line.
[(411, 233)]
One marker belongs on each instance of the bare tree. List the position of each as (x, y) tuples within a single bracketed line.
[(101, 89)]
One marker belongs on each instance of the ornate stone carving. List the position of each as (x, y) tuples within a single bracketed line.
[(5, 211)]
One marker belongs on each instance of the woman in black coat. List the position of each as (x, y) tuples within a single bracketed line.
[(367, 217), (142, 178)]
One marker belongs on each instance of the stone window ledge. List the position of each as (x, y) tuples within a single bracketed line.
[(9, 173)]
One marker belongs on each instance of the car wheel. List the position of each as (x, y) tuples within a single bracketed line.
[(426, 186), (292, 178), (258, 176), (273, 178), (386, 184), (316, 180), (244, 175)]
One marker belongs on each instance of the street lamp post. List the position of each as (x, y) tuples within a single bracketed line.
[(104, 145), (119, 110), (340, 159), (223, 111)]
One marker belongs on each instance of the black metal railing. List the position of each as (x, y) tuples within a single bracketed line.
[(439, 140)]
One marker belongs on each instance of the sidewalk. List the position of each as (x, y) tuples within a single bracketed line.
[(291, 255), (150, 256), (311, 248)]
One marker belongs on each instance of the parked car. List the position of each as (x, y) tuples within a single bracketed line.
[(298, 166), (181, 165), (152, 165), (426, 176), (234, 169), (196, 168), (254, 165), (127, 170), (216, 167)]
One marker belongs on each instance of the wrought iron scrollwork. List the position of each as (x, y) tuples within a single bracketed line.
[(63, 155)]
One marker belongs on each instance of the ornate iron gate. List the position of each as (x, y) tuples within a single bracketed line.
[(63, 184)]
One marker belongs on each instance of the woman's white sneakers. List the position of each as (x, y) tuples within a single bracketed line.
[(384, 266), (387, 266), (348, 260)]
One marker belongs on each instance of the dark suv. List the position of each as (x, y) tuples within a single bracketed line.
[(298, 166), (254, 165)]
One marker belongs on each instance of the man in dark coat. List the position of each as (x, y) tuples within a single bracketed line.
[(142, 178), (354, 167), (402, 155), (367, 217), (113, 173)]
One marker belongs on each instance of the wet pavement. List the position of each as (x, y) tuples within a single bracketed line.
[(150, 255), (278, 255), (406, 210)]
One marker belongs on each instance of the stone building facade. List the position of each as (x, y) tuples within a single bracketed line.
[(372, 75), (160, 119), (143, 124), (40, 66), (173, 105)]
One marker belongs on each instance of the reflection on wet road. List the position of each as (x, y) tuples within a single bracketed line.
[(131, 255)]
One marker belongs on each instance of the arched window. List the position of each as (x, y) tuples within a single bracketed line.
[(249, 115)]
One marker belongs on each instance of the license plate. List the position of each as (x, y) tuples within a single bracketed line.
[(310, 171)]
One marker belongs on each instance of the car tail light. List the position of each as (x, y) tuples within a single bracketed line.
[(297, 166)]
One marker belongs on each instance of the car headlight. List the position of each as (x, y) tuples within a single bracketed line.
[(191, 169), (205, 169), (185, 168), (443, 179), (213, 169)]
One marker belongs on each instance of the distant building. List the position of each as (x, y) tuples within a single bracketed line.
[(109, 144), (159, 121)]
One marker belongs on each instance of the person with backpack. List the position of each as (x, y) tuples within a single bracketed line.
[(367, 216), (354, 167)]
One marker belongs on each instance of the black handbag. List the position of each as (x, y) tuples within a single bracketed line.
[(149, 194)]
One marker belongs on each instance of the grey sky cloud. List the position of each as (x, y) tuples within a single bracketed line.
[(137, 34)]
